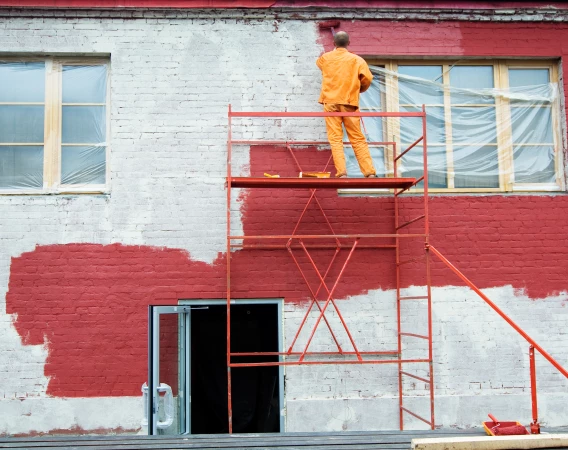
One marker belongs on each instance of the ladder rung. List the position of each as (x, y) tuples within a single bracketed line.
[(408, 187), (414, 335), (409, 148), (417, 377), (416, 415), (411, 222), (418, 297)]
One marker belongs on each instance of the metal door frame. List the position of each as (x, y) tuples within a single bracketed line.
[(184, 372)]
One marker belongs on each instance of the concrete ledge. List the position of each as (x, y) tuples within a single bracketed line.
[(493, 443)]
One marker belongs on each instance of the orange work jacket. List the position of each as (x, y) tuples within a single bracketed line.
[(345, 75)]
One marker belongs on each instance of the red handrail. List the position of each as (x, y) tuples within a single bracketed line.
[(517, 328)]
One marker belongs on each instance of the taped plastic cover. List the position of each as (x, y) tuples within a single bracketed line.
[(82, 126), (478, 136)]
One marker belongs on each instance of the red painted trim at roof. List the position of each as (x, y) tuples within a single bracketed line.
[(204, 4), (136, 4)]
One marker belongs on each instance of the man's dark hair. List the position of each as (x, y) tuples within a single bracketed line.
[(341, 39)]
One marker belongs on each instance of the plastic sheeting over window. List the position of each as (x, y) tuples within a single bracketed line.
[(80, 127), (83, 121), (22, 110), (480, 136)]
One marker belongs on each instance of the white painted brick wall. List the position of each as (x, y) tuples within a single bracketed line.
[(481, 364), (171, 81)]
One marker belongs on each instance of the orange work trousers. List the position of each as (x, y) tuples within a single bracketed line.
[(356, 137)]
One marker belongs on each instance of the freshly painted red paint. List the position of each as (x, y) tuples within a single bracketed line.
[(453, 38), (89, 302)]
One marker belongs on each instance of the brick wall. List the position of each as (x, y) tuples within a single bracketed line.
[(79, 271)]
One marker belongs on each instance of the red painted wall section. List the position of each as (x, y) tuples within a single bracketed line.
[(453, 38), (89, 302)]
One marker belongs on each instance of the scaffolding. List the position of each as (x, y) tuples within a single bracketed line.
[(397, 186)]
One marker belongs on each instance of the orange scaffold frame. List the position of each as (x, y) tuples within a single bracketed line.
[(398, 186), (294, 241)]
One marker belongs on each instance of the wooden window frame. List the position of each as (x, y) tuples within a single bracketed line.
[(504, 128), (53, 127)]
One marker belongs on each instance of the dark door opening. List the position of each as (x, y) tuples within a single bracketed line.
[(255, 390)]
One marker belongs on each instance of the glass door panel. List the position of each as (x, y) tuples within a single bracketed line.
[(168, 397)]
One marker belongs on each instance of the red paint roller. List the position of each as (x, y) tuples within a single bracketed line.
[(506, 428), (329, 25)]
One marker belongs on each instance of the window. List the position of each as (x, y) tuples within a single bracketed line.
[(53, 125), (492, 126)]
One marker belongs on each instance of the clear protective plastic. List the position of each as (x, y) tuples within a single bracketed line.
[(80, 128), (478, 136)]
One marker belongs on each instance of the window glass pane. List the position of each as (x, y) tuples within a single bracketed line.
[(21, 124), (528, 77), (411, 127), (372, 127), (372, 101), (476, 78), (353, 170), (471, 77), (22, 82), (83, 165), (372, 98), (532, 124), (476, 167), (412, 165), (418, 92), (83, 125), (534, 164), (21, 166), (474, 125), (84, 84)]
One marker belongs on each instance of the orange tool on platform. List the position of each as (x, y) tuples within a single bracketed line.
[(315, 174)]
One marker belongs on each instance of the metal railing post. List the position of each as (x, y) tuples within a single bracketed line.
[(535, 426)]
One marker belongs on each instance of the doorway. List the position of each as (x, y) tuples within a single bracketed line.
[(198, 388)]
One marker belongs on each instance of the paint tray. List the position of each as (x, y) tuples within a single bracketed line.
[(489, 425)]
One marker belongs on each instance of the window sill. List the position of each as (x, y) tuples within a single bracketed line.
[(537, 188), (64, 190), (527, 189)]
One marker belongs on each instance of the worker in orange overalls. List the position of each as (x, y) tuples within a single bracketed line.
[(345, 75)]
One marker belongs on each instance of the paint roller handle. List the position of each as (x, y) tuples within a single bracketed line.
[(492, 417)]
